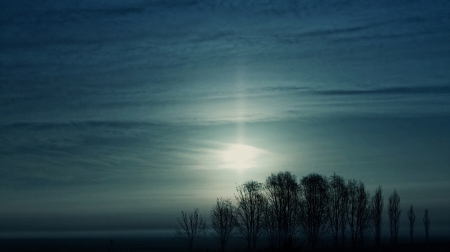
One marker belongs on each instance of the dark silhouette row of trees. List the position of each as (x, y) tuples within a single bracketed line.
[(293, 214)]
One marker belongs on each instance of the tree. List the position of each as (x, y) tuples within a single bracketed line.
[(191, 225), (363, 213), (412, 219), (223, 221), (271, 228), (314, 207), (426, 223), (359, 212), (338, 203), (352, 211), (282, 210), (394, 213), (251, 205), (377, 213)]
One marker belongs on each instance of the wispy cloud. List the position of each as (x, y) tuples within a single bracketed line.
[(388, 90)]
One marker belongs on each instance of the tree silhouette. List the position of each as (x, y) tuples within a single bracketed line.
[(394, 213), (364, 213), (282, 210), (223, 221), (359, 212), (191, 226), (251, 205), (290, 213), (338, 203), (426, 223), (314, 207), (411, 219), (352, 211), (271, 228), (377, 213)]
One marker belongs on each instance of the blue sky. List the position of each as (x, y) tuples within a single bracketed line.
[(117, 114)]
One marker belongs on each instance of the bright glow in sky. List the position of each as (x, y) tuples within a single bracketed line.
[(241, 156)]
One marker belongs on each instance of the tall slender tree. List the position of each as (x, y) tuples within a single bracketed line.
[(352, 211), (377, 213), (359, 213), (364, 220), (223, 221), (426, 223), (282, 210), (394, 213), (411, 219), (251, 205), (314, 207), (338, 203)]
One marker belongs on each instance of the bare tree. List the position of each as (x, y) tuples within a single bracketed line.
[(338, 203), (412, 219), (271, 228), (314, 207), (251, 205), (426, 223), (191, 226), (352, 211), (359, 212), (282, 210), (377, 213), (364, 214), (394, 213), (223, 221)]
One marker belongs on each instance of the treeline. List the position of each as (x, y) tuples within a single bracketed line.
[(292, 214)]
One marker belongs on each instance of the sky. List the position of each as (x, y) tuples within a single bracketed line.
[(117, 115)]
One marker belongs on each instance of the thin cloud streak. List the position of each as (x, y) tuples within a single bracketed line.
[(219, 106), (389, 90)]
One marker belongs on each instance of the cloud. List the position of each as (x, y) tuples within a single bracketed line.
[(150, 60), (388, 91), (81, 153)]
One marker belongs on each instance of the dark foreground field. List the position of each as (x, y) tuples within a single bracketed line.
[(166, 244), (89, 244)]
